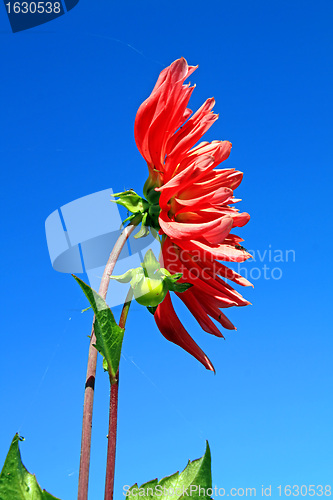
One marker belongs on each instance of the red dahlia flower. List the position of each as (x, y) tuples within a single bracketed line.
[(193, 200)]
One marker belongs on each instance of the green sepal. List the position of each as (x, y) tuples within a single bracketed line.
[(154, 210), (148, 210), (142, 233), (153, 196), (150, 264), (129, 218), (132, 201), (144, 230), (185, 484), (153, 221), (124, 278), (152, 310), (171, 281), (155, 235), (178, 287), (16, 483), (109, 336), (173, 286), (138, 275), (166, 274)]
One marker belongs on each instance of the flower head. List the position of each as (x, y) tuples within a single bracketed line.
[(194, 202)]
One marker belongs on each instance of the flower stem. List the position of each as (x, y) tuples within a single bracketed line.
[(91, 368), (112, 436), (112, 440)]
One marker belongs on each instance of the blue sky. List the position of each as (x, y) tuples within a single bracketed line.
[(70, 91)]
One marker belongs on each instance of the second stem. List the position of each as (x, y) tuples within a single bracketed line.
[(112, 436)]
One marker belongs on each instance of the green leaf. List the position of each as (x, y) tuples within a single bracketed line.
[(109, 336), (196, 475), (105, 365), (16, 483), (86, 309), (132, 201)]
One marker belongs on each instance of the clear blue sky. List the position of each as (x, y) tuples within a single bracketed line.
[(70, 91)]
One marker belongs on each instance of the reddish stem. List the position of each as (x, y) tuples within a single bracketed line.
[(112, 440), (91, 368), (112, 436)]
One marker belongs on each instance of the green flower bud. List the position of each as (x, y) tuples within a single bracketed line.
[(150, 292), (150, 283)]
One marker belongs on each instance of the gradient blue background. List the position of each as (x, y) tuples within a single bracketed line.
[(70, 90)]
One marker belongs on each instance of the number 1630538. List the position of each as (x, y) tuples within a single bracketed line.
[(305, 490), (33, 7)]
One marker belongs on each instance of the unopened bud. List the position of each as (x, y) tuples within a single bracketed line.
[(150, 283)]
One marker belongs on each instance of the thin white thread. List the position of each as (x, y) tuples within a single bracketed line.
[(168, 400), (126, 44), (42, 379)]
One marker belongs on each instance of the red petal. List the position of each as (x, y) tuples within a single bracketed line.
[(193, 231), (196, 168), (214, 311), (216, 267), (168, 90), (172, 262), (216, 197), (170, 117), (202, 277), (193, 130), (212, 181), (219, 149), (172, 329), (193, 305), (220, 252)]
